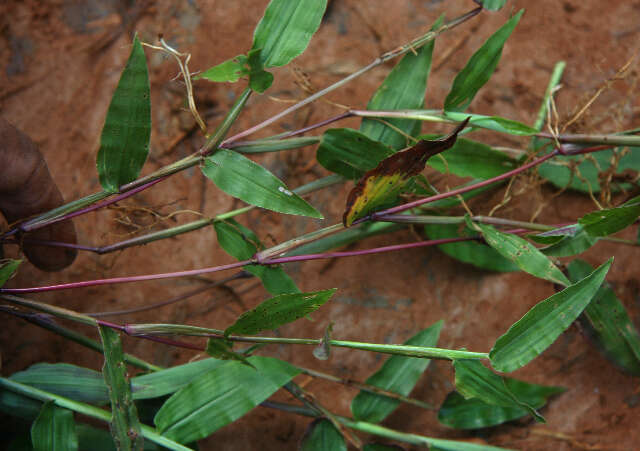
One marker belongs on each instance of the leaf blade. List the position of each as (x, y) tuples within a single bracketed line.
[(54, 429), (322, 435)]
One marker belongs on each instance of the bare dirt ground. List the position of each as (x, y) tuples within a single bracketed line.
[(61, 61)]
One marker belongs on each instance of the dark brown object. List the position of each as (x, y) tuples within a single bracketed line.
[(26, 189)]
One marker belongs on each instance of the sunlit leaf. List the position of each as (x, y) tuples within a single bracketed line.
[(479, 68), (54, 430), (124, 143), (473, 413), (607, 323), (540, 326), (220, 397), (472, 252), (286, 29), (322, 435), (7, 268), (493, 5), (279, 310), (399, 375), (350, 153), (496, 123), (259, 79), (229, 71), (382, 184), (474, 380), (240, 177), (522, 253), (403, 88), (125, 425), (241, 243)]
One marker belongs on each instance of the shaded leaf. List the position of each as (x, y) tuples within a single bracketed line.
[(220, 397), (540, 326), (472, 252), (125, 425), (18, 405), (94, 439), (381, 447), (382, 184), (259, 79), (522, 253), (124, 143), (403, 88), (170, 380), (70, 381), (468, 158), (322, 435), (240, 177), (54, 429), (221, 349), (607, 323), (606, 222), (496, 123), (479, 68), (349, 152), (7, 268), (573, 243), (474, 380), (399, 375), (279, 310), (493, 5), (286, 29), (473, 413)]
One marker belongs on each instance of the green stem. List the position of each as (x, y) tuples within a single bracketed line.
[(214, 141), (273, 145), (556, 75), (84, 409), (429, 219)]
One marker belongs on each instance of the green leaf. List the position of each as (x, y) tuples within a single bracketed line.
[(493, 5), (240, 177), (7, 268), (322, 435), (540, 326), (479, 68), (607, 323), (404, 88), (164, 382), (399, 375), (259, 79), (496, 123), (222, 349), (220, 397), (584, 177), (124, 143), (279, 310), (574, 243), (286, 29), (472, 252), (70, 381), (473, 413), (228, 71), (125, 425), (94, 439), (606, 222), (241, 243), (522, 253), (54, 430), (473, 380), (472, 159), (350, 153)]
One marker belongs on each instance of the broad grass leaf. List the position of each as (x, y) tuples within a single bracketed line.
[(241, 243), (7, 268), (540, 326), (250, 65), (228, 71), (473, 413), (222, 349), (240, 177), (474, 380), (286, 28), (54, 429), (404, 88), (584, 175), (399, 375), (522, 253), (350, 153), (496, 123), (322, 435), (170, 380), (220, 397), (259, 79), (125, 425), (124, 143), (279, 310), (472, 252), (71, 381), (468, 158), (609, 221), (493, 5), (382, 184), (479, 68), (607, 323), (571, 244)]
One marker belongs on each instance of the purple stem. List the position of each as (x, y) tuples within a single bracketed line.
[(317, 125)]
